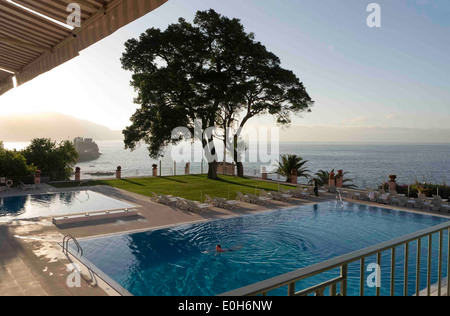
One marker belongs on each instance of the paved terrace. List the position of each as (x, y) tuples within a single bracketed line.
[(32, 261)]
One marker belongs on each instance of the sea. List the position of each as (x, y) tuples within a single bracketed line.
[(368, 165)]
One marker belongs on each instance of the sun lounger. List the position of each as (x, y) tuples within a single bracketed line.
[(278, 196), (373, 196), (438, 205), (421, 204), (24, 186), (197, 207), (221, 202), (385, 198), (242, 197), (228, 204), (298, 193), (254, 199), (163, 199)]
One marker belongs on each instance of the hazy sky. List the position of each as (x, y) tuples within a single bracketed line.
[(396, 76)]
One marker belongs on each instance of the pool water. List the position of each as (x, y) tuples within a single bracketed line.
[(52, 204), (181, 261)]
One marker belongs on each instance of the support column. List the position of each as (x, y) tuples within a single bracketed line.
[(332, 181), (340, 179), (37, 177), (264, 173), (392, 182), (77, 174)]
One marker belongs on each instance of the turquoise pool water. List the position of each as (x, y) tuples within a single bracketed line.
[(181, 260), (52, 204)]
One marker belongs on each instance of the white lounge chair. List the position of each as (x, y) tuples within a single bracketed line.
[(438, 205), (24, 186), (164, 199), (373, 196), (299, 193), (242, 197), (385, 198), (421, 204), (221, 202), (197, 207), (254, 199)]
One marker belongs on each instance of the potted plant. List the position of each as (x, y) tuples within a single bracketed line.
[(392, 177)]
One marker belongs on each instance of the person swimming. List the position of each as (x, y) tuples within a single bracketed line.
[(219, 249)]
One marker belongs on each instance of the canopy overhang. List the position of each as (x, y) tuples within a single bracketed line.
[(35, 37)]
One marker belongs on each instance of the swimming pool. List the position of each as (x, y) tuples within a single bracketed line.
[(52, 204), (181, 261)]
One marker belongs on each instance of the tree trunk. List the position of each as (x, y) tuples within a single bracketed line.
[(212, 170), (239, 164), (212, 165), (240, 169)]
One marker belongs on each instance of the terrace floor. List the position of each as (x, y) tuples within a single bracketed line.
[(32, 261)]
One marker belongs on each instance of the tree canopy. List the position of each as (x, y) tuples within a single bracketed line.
[(210, 70), (55, 160), (14, 166)]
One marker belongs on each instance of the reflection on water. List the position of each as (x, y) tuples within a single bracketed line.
[(13, 206), (29, 206)]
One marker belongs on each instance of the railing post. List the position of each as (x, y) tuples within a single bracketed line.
[(344, 270), (405, 275), (448, 262), (441, 233), (291, 289), (378, 285), (430, 241), (362, 277), (419, 247), (333, 290), (393, 271)]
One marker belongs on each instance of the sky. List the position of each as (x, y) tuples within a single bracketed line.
[(394, 79)]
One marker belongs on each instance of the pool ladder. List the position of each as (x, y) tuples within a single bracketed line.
[(65, 245), (339, 198)]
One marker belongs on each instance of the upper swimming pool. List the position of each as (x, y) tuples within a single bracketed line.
[(52, 204), (181, 261)]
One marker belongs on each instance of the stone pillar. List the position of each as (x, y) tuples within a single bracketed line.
[(37, 177), (332, 180), (77, 174), (233, 166), (264, 173), (340, 179), (294, 176), (187, 168), (155, 170), (119, 172), (392, 182)]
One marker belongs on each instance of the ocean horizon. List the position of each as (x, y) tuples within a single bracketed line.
[(367, 164)]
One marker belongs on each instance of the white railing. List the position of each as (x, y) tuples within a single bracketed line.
[(290, 279)]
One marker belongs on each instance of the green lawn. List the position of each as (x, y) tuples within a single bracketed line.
[(191, 187)]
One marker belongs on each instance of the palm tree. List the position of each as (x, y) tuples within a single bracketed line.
[(292, 162), (323, 176)]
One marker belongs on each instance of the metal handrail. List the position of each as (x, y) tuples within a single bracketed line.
[(65, 244), (290, 279), (339, 196)]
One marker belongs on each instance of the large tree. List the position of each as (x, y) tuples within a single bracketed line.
[(210, 70), (55, 160)]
